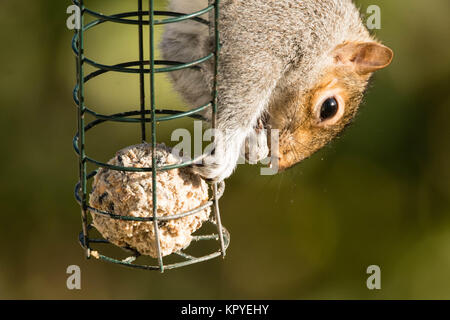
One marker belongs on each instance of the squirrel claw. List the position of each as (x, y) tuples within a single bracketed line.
[(256, 147)]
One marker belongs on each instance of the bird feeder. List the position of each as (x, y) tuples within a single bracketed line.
[(148, 117)]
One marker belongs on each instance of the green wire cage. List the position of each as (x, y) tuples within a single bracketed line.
[(146, 116)]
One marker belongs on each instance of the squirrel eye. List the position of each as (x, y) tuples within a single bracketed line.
[(329, 109)]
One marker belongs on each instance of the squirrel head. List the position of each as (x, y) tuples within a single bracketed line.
[(310, 118)]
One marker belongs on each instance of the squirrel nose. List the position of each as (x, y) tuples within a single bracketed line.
[(283, 165), (279, 163)]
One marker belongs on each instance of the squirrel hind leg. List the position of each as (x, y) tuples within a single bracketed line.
[(185, 42), (194, 84)]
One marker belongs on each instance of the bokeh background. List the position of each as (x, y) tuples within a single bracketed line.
[(378, 195)]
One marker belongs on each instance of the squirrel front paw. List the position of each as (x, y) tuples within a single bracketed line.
[(256, 146), (221, 162), (215, 172)]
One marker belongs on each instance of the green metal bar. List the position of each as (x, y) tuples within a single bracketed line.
[(190, 259), (81, 141), (133, 169), (153, 113), (178, 16), (185, 65), (183, 114), (216, 61), (185, 255), (175, 65), (184, 16), (124, 67), (150, 219), (123, 116), (141, 73), (141, 219), (214, 118), (167, 267)]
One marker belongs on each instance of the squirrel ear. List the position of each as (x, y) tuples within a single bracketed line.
[(366, 57)]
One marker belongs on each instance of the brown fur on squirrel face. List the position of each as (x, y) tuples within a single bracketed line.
[(297, 115)]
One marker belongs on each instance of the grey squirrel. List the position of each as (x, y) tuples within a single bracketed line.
[(300, 66)]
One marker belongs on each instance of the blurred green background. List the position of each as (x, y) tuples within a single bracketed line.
[(379, 195)]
